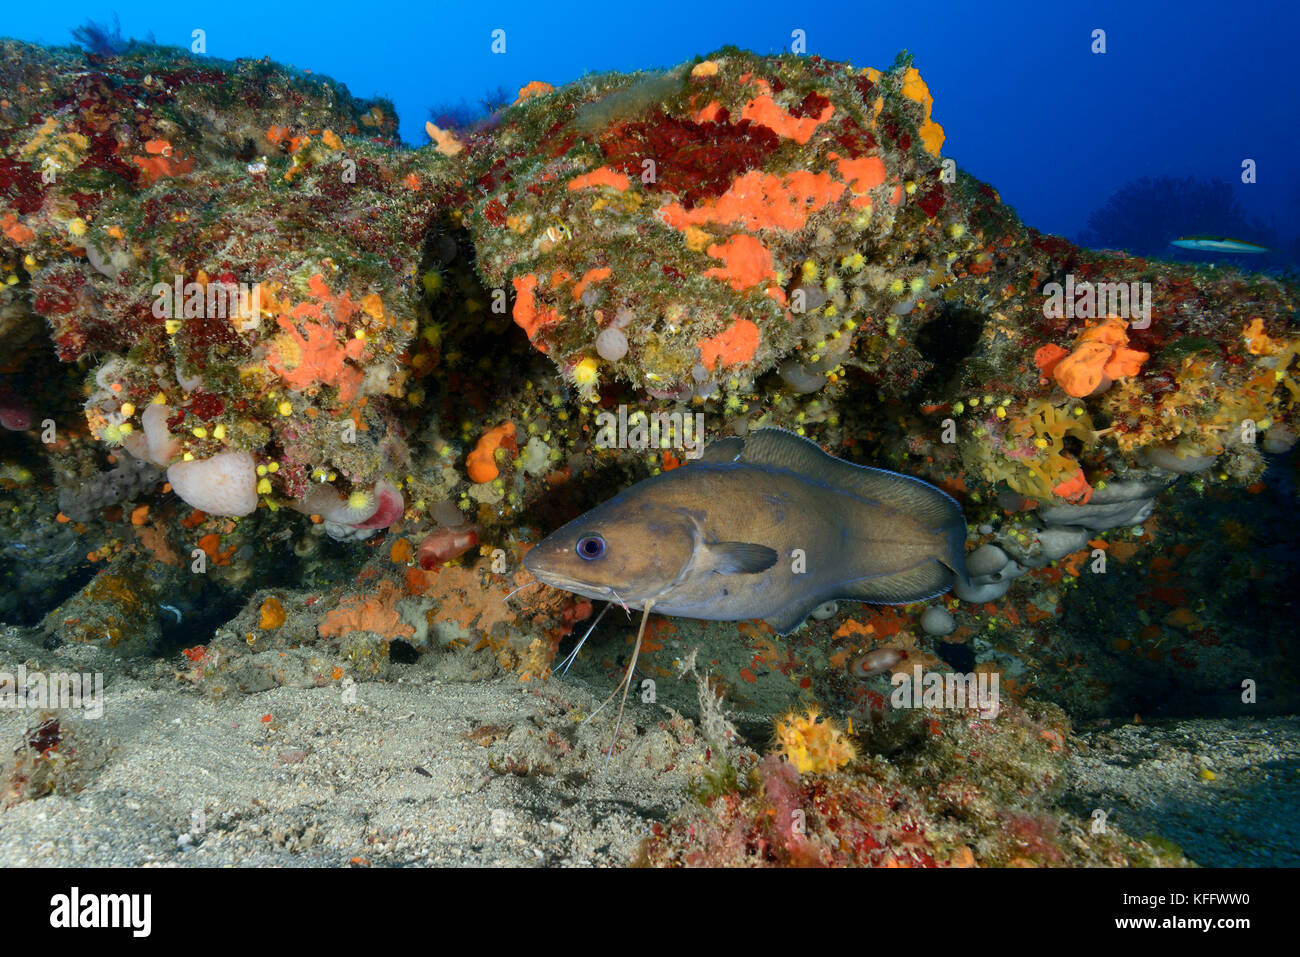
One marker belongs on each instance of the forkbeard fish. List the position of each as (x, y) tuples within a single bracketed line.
[(767, 526)]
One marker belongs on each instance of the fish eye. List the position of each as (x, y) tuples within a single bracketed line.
[(591, 547)]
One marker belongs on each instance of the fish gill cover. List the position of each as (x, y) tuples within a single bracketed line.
[(288, 402)]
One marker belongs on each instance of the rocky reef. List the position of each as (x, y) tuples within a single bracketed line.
[(285, 403)]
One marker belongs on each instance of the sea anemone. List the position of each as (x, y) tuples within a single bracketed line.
[(115, 433), (585, 377), (360, 505)]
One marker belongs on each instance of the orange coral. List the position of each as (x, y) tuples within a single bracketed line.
[(747, 262), (271, 614), (16, 230), (154, 538), (1100, 356), (1258, 342), (157, 167), (211, 545), (590, 276), (315, 355), (481, 463), (863, 173), (530, 90), (765, 111), (914, 88), (708, 113), (376, 613), (737, 343), (1075, 489), (528, 315), (813, 744), (605, 176), (761, 200), (445, 140), (1047, 357)]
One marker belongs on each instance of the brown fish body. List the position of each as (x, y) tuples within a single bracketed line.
[(766, 527)]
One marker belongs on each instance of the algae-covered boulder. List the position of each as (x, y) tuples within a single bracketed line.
[(720, 215)]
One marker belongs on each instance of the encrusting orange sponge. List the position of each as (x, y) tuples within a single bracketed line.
[(481, 464), (1101, 355)]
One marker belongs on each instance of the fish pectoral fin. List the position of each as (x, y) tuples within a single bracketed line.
[(786, 620), (739, 558)]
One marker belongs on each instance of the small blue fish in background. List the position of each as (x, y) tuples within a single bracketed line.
[(1217, 244)]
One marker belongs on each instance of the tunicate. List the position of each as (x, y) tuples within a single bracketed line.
[(936, 621), (986, 560), (611, 344), (1057, 541), (990, 570), (814, 297), (1278, 439), (825, 610), (799, 378), (1167, 458)]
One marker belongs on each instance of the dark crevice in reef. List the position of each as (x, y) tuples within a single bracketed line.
[(946, 342)]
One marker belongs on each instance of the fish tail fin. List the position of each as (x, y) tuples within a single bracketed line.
[(955, 559)]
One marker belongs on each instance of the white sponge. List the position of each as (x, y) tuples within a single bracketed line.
[(225, 484)]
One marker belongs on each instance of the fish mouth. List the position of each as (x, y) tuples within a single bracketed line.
[(564, 583), (587, 590)]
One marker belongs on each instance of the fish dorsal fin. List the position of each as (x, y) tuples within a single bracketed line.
[(779, 449), (723, 450)]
